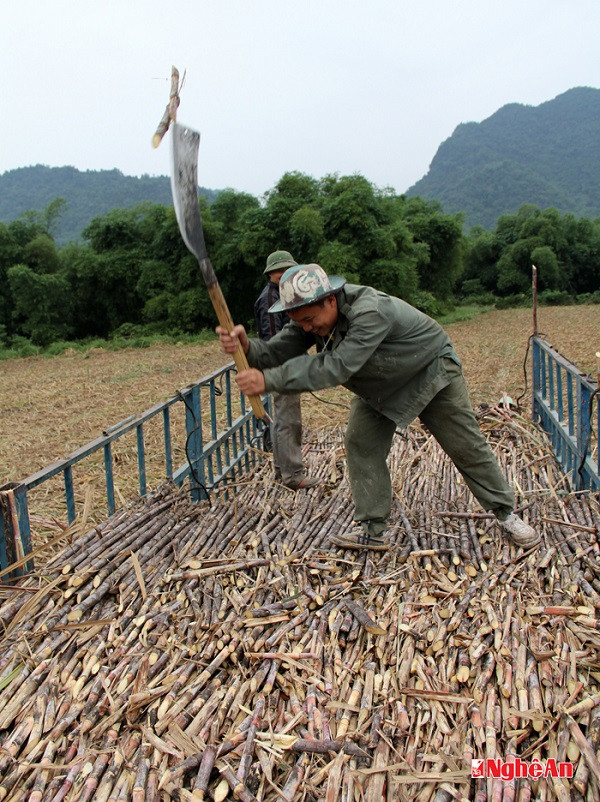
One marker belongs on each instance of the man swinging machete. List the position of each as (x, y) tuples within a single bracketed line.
[(400, 364)]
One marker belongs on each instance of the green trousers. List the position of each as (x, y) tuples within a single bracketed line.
[(286, 433), (450, 418)]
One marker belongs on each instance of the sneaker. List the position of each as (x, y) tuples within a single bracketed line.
[(519, 532), (360, 540), (304, 483)]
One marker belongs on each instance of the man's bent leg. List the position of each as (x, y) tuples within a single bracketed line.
[(368, 441), (451, 420)]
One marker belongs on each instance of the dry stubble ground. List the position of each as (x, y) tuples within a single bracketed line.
[(50, 407)]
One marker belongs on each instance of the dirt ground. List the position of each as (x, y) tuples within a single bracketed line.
[(50, 407)]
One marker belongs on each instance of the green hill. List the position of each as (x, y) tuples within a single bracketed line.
[(88, 194), (546, 155)]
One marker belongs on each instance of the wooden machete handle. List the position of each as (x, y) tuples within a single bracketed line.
[(239, 357)]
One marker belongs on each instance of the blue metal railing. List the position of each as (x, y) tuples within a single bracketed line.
[(233, 447), (563, 403)]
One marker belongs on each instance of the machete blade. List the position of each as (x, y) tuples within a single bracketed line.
[(184, 187)]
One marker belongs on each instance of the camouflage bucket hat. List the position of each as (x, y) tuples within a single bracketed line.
[(305, 284), (279, 260)]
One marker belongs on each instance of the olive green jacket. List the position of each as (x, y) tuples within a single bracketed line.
[(384, 350)]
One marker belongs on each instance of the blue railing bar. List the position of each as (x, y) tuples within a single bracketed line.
[(69, 494), (236, 443), (543, 375), (559, 393), (195, 451), (536, 353), (118, 425), (570, 408), (168, 446), (551, 389), (228, 399), (141, 452), (213, 427), (213, 409), (219, 456), (247, 440), (109, 480)]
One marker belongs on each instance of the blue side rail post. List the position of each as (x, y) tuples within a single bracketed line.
[(563, 404), (234, 446)]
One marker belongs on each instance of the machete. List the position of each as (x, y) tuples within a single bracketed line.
[(184, 186)]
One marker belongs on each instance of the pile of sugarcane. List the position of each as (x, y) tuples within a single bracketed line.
[(225, 650)]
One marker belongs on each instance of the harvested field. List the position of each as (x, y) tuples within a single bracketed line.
[(228, 651)]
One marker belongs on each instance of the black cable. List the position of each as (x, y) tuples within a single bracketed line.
[(589, 437), (524, 393), (196, 428), (398, 432), (219, 390), (332, 403), (267, 439)]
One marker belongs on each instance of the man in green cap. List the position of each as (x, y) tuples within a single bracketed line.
[(286, 431), (401, 365)]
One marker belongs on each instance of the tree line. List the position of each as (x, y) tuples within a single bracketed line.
[(134, 273)]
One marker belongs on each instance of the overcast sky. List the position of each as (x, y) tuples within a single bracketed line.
[(346, 86)]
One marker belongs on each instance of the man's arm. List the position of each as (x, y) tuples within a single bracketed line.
[(288, 343), (252, 381), (330, 368)]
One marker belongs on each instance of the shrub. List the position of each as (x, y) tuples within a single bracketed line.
[(59, 347), (481, 299), (21, 347), (471, 287), (428, 303), (512, 301), (139, 341), (555, 298), (588, 298)]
